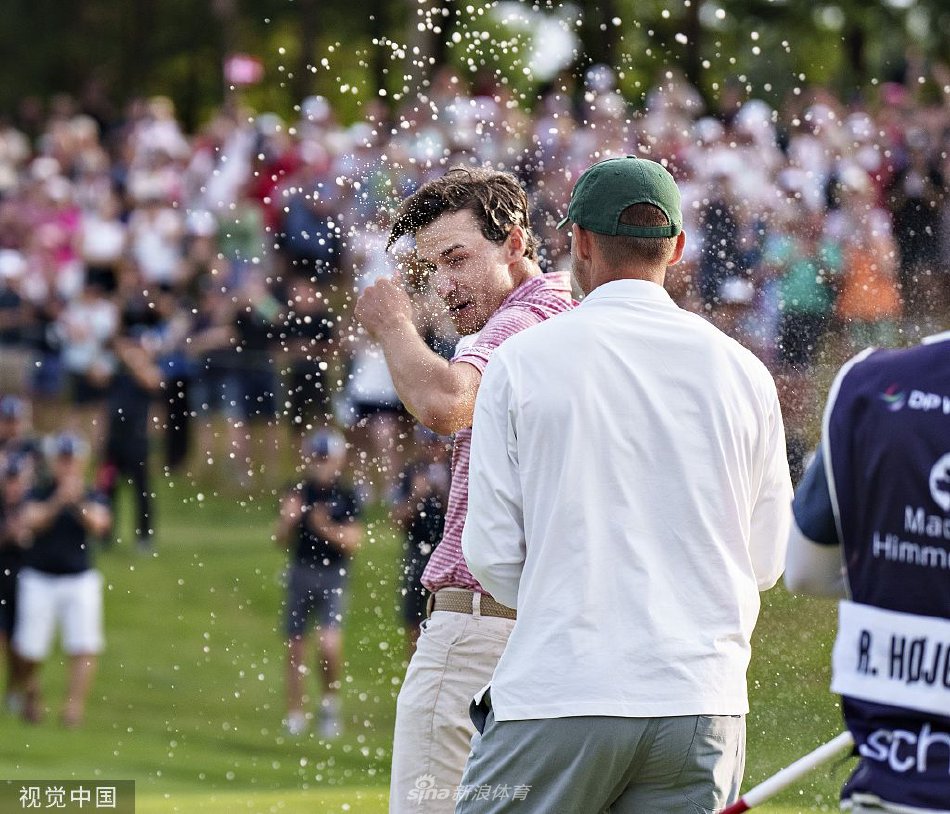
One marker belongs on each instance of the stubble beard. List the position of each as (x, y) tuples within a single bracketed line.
[(577, 279)]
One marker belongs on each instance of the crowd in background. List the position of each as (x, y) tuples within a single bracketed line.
[(186, 297), (182, 302)]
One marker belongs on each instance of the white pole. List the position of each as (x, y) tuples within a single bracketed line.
[(785, 777)]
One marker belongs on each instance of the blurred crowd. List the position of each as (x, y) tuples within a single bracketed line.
[(182, 301), (191, 292)]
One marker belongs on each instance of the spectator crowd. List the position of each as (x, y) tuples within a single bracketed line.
[(226, 260), (194, 290)]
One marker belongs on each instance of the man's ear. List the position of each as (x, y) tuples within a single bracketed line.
[(583, 244), (678, 251), (516, 244)]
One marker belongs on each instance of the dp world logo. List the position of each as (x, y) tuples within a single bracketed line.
[(893, 398), (425, 790), (940, 482)]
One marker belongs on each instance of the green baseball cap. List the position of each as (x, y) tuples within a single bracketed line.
[(611, 185)]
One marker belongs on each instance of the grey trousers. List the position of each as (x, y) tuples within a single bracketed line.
[(591, 765)]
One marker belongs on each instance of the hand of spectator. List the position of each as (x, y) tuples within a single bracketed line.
[(19, 534), (421, 487), (292, 504), (320, 520), (345, 535), (385, 308), (70, 490), (291, 509)]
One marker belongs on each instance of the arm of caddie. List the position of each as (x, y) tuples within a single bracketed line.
[(440, 394), (811, 568), (813, 565), (493, 540)]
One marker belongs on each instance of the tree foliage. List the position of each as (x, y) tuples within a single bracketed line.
[(363, 49)]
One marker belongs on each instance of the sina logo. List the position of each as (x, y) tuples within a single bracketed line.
[(940, 483), (893, 398), (425, 789)]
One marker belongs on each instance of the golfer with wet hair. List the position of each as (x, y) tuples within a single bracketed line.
[(475, 244), (629, 495)]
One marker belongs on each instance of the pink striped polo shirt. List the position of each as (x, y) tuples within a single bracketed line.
[(531, 302)]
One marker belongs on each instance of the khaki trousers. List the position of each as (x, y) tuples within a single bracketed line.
[(455, 657)]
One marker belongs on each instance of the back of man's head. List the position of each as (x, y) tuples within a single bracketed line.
[(620, 251), (496, 199), (631, 207)]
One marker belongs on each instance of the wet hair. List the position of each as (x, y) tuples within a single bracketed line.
[(496, 199), (620, 250)]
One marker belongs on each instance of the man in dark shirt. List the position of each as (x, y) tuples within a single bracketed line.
[(916, 198), (14, 485), (131, 392), (307, 336), (16, 437), (318, 524), (58, 584), (251, 388), (720, 255), (419, 510), (16, 356)]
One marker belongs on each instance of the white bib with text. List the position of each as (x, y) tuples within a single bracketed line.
[(887, 657)]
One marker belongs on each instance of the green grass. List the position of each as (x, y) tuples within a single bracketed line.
[(348, 801), (189, 698), (367, 800)]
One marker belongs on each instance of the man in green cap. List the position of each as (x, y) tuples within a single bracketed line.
[(629, 494)]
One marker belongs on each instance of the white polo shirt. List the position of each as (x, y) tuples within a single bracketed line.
[(630, 495)]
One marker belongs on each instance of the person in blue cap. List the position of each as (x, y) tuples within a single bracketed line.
[(15, 482), (58, 585), (16, 437), (319, 524)]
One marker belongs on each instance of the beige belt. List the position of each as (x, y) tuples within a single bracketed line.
[(457, 601)]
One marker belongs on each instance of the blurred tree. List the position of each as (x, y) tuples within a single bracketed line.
[(598, 32), (352, 52)]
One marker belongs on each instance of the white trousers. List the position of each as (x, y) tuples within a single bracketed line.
[(455, 657), (73, 602)]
